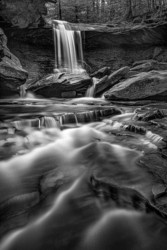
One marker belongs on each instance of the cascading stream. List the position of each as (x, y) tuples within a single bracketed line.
[(81, 173)]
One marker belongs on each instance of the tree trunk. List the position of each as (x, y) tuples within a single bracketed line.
[(76, 14), (60, 12), (129, 10)]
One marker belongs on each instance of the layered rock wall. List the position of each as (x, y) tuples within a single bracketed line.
[(22, 13), (12, 75)]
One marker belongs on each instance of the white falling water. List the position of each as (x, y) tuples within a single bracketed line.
[(91, 90), (68, 48)]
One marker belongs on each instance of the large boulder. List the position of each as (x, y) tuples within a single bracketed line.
[(12, 75), (22, 13), (147, 85), (61, 85), (108, 82), (148, 65)]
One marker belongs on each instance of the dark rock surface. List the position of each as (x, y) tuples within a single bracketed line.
[(120, 56), (37, 61), (101, 72), (62, 85), (12, 75), (147, 65), (111, 80), (146, 85), (22, 13), (148, 116)]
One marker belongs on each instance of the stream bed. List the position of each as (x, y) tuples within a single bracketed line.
[(82, 173)]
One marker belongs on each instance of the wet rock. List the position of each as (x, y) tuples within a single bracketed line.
[(134, 199), (118, 74), (12, 75), (101, 72), (151, 115), (101, 85), (52, 181), (162, 202), (111, 80), (89, 116), (132, 73), (157, 52), (136, 129), (158, 190), (69, 94), (61, 85), (147, 85), (18, 204)]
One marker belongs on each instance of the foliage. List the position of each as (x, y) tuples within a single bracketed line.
[(97, 11)]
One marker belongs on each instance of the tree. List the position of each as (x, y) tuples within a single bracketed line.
[(105, 10), (60, 11)]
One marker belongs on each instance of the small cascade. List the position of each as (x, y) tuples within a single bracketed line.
[(90, 91), (24, 123), (49, 122), (153, 137), (68, 48)]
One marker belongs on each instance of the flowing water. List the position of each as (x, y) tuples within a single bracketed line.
[(68, 48), (91, 89), (81, 173)]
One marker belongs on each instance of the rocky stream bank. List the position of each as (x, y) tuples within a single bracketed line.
[(64, 155)]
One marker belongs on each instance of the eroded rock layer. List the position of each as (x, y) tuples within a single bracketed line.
[(12, 75), (22, 13)]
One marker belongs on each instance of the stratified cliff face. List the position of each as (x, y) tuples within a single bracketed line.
[(22, 13), (104, 45), (12, 75)]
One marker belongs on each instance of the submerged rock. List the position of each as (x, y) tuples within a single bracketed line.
[(12, 75), (146, 85), (62, 85)]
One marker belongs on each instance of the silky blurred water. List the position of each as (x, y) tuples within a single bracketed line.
[(72, 183)]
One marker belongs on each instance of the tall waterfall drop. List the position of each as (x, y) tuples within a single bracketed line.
[(68, 48)]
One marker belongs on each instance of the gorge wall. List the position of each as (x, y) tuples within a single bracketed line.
[(12, 75), (22, 13), (103, 46)]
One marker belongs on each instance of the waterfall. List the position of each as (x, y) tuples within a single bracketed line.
[(68, 48)]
